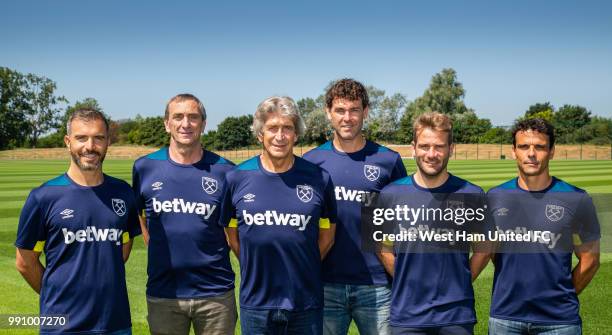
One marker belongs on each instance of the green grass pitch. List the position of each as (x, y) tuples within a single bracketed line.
[(17, 178)]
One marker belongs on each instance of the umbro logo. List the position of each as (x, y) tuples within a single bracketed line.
[(157, 185), (67, 213), (249, 197)]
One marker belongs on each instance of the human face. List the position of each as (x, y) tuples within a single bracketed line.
[(346, 117), (432, 151), (87, 143), (532, 152), (184, 123), (278, 136)]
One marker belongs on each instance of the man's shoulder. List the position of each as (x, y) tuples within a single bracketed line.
[(116, 182), (507, 186), (213, 158), (154, 157), (51, 188), (399, 184), (463, 185), (560, 185), (377, 148), (243, 169), (317, 154)]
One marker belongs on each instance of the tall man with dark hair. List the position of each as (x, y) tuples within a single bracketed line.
[(535, 290), (356, 285), (179, 188), (84, 221)]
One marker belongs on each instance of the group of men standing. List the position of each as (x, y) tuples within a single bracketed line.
[(294, 223)]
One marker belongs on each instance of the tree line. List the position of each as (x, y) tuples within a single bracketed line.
[(33, 115)]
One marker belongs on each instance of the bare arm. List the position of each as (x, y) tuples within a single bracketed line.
[(387, 258), (326, 239), (231, 234), (478, 262), (588, 264), (29, 265), (143, 228), (482, 253), (127, 248)]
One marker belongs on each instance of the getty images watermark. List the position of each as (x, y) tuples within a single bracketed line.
[(453, 222)]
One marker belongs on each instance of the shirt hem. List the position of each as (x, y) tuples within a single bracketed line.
[(198, 296), (539, 322), (428, 325), (281, 307)]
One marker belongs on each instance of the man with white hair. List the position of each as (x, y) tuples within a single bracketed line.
[(280, 215)]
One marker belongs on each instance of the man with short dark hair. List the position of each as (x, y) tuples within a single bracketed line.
[(534, 287), (356, 285), (179, 188), (84, 221)]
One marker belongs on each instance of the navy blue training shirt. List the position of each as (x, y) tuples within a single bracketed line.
[(188, 252), (278, 217), (431, 289), (81, 230), (355, 175), (537, 286)]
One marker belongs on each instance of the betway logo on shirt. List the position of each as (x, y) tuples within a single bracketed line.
[(343, 193), (92, 234), (273, 218), (181, 206)]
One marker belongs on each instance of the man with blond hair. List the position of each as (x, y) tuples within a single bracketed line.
[(432, 288)]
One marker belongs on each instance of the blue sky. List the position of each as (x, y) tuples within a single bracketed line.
[(134, 55)]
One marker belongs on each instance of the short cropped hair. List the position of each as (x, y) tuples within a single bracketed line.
[(349, 89), (285, 106), (185, 97), (86, 114), (433, 120), (536, 124)]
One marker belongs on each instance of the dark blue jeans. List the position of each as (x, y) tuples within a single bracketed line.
[(367, 305), (281, 322), (509, 327)]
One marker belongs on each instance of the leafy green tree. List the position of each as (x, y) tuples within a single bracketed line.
[(468, 128), (152, 132), (235, 132), (13, 104), (568, 120), (318, 128), (209, 140), (539, 108), (383, 122), (56, 139), (445, 95), (42, 113), (307, 106), (497, 135)]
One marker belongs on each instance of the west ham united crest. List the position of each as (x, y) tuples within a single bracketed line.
[(209, 185), (304, 192), (119, 207), (372, 172), (554, 213)]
